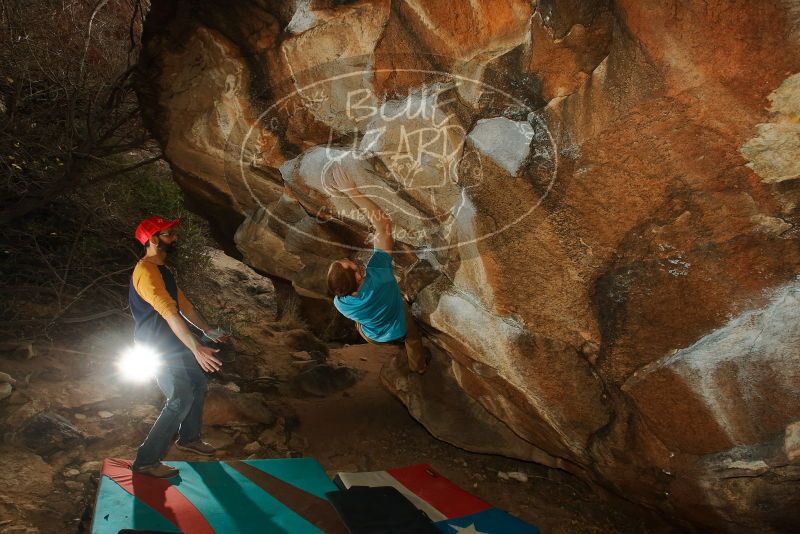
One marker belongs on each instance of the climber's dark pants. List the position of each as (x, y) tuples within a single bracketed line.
[(415, 351)]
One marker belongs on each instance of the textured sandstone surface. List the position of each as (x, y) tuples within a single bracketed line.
[(596, 211)]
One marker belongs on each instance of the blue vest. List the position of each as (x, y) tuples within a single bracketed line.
[(153, 330)]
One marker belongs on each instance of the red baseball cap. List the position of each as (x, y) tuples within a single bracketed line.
[(151, 226)]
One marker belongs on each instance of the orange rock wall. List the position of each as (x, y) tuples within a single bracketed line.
[(596, 204)]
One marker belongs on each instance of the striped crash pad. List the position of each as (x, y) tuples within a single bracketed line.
[(275, 496), (452, 509)]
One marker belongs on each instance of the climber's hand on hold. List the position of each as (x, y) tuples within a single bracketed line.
[(378, 218)]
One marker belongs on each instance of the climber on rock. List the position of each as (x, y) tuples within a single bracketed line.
[(369, 295)]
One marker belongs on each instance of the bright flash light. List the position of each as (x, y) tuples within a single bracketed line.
[(139, 363)]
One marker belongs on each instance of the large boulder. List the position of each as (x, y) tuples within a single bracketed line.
[(595, 208)]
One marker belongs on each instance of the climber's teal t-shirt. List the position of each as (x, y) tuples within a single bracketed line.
[(378, 305)]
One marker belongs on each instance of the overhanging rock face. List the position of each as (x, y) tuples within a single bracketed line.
[(596, 205)]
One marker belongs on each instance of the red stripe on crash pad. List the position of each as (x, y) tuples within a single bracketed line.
[(439, 492), (159, 494)]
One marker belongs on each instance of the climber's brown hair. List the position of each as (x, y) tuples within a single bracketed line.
[(341, 280)]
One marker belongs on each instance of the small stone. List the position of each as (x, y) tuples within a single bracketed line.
[(71, 473), (5, 390), (754, 465), (92, 466), (770, 225), (502, 475), (80, 416), (252, 447), (305, 363), (5, 377), (73, 485), (301, 355), (268, 436), (103, 414), (518, 476), (218, 439), (143, 411), (791, 442), (230, 386), (63, 458)]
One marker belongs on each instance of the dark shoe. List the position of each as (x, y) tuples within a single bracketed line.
[(197, 447), (158, 470)]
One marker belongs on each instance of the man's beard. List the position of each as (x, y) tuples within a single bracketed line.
[(168, 248)]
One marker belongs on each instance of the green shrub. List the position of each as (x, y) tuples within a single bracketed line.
[(152, 191), (74, 259)]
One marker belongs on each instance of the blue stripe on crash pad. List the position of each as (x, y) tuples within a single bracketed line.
[(116, 509), (491, 521), (232, 504)]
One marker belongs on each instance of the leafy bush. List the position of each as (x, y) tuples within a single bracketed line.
[(151, 191), (72, 263)]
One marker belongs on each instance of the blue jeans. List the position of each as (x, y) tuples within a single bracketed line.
[(185, 390)]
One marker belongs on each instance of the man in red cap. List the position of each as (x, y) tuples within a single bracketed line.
[(161, 312)]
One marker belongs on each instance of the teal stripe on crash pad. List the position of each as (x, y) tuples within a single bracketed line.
[(116, 509), (232, 504), (305, 473)]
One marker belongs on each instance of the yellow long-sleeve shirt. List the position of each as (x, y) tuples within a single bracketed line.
[(149, 284)]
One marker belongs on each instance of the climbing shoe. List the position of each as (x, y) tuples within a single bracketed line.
[(197, 447), (158, 470)]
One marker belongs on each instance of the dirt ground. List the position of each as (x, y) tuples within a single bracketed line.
[(258, 407), (367, 429)]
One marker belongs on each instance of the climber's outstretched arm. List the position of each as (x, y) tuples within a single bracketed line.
[(379, 219)]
